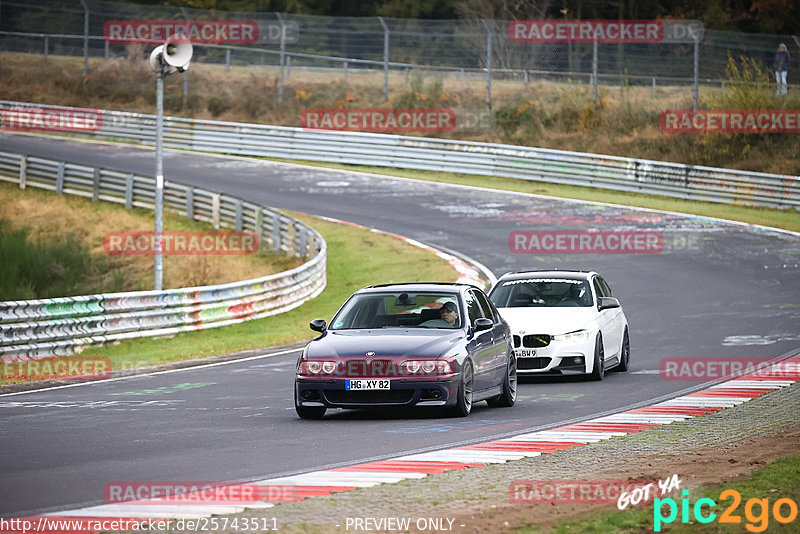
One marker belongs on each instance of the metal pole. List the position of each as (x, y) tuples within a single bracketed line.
[(488, 64), (696, 69), (227, 60), (158, 273), (283, 57), (654, 86), (85, 41), (385, 60), (594, 70), (186, 73)]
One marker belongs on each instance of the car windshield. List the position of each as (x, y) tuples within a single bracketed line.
[(400, 310), (542, 292)]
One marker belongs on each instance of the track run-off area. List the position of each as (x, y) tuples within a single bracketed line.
[(714, 290)]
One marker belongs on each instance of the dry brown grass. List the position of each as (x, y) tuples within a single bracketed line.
[(625, 121), (52, 217)]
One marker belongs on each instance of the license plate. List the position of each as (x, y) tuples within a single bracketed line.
[(525, 353), (352, 385)]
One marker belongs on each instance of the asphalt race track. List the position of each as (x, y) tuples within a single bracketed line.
[(716, 290)]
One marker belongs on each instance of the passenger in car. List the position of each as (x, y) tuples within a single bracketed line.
[(448, 317)]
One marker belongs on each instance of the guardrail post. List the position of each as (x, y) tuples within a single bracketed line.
[(129, 191), (385, 60), (654, 86), (190, 203), (259, 218), (215, 210), (276, 232), (23, 171), (106, 52), (238, 216), (303, 245), (344, 68), (46, 45), (282, 57), (227, 60), (60, 178), (96, 184)]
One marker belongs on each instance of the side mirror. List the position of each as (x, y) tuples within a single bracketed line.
[(317, 325), (605, 303), (482, 324)]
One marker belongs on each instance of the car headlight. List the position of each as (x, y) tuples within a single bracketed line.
[(426, 367), (317, 368), (579, 336)]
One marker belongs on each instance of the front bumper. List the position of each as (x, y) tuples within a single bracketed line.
[(557, 358), (331, 393)]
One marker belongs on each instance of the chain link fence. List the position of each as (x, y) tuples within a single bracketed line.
[(476, 49)]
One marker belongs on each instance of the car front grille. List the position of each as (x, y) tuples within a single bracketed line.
[(369, 397), (532, 364), (533, 341)]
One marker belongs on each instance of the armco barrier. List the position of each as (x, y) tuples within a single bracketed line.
[(60, 325), (536, 164)]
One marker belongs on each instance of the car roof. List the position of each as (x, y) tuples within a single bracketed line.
[(418, 286), (576, 275)]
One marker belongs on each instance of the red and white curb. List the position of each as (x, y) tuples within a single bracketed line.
[(325, 482)]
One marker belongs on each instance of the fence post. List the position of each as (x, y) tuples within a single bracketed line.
[(227, 60), (288, 67), (283, 57), (488, 64), (105, 50), (215, 210), (46, 45), (654, 86), (594, 70), (23, 171), (344, 68), (696, 68), (85, 41), (385, 60), (259, 221)]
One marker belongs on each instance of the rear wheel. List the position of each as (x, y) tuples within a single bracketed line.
[(599, 359), (509, 395), (463, 405), (624, 354), (308, 412)]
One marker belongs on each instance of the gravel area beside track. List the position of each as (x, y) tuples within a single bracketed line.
[(476, 497)]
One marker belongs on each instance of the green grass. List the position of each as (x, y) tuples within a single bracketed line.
[(33, 267), (780, 479), (357, 257), (788, 219)]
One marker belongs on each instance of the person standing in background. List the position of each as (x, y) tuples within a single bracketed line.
[(781, 65)]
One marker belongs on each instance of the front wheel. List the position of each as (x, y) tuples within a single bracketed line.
[(463, 405), (308, 412), (599, 359), (509, 395)]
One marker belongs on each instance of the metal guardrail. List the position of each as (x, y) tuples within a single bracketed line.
[(536, 164), (61, 325)]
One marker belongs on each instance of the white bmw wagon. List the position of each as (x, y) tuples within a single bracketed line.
[(563, 322)]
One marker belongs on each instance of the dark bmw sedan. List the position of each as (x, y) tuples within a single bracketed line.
[(424, 344)]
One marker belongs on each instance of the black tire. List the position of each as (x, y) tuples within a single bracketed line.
[(463, 405), (308, 412), (509, 395), (624, 354), (599, 359)]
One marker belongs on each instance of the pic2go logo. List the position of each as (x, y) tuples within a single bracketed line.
[(756, 511)]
